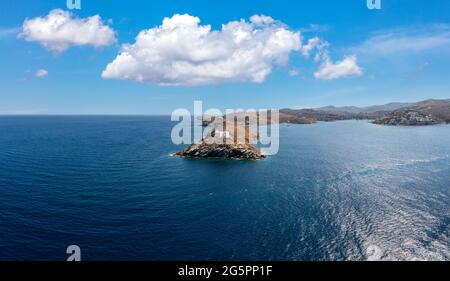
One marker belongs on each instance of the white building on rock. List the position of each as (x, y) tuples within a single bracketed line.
[(222, 134)]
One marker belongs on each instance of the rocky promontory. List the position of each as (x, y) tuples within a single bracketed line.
[(430, 112), (226, 139), (407, 118), (224, 151)]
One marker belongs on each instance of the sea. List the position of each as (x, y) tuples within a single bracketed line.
[(346, 190)]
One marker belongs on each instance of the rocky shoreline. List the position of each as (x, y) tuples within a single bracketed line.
[(223, 151), (222, 141), (407, 118)]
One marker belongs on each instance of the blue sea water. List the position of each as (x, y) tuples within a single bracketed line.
[(347, 190)]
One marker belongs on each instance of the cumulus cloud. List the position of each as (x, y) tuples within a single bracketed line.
[(261, 20), (41, 73), (319, 46), (60, 30), (183, 52), (347, 67)]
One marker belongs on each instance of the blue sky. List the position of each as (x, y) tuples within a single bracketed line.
[(401, 53)]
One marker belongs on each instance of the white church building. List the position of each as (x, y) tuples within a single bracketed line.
[(222, 134)]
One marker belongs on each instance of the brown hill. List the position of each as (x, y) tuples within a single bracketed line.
[(439, 109), (429, 112)]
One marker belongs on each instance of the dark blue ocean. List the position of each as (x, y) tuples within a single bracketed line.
[(346, 190)]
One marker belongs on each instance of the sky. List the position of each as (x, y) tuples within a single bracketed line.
[(152, 57)]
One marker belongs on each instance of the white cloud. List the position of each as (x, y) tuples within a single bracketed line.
[(347, 67), (261, 19), (328, 70), (317, 44), (41, 73), (294, 72), (60, 30), (406, 40), (183, 52)]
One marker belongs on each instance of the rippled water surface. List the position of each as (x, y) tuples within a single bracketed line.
[(336, 191)]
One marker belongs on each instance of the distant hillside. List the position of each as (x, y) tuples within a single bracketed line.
[(369, 109), (292, 119), (421, 113), (252, 118), (322, 115), (427, 112), (349, 109), (439, 109), (333, 113), (386, 107)]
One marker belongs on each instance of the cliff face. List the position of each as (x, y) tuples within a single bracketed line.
[(224, 151)]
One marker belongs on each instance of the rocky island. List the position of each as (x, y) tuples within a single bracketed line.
[(225, 151), (223, 143)]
